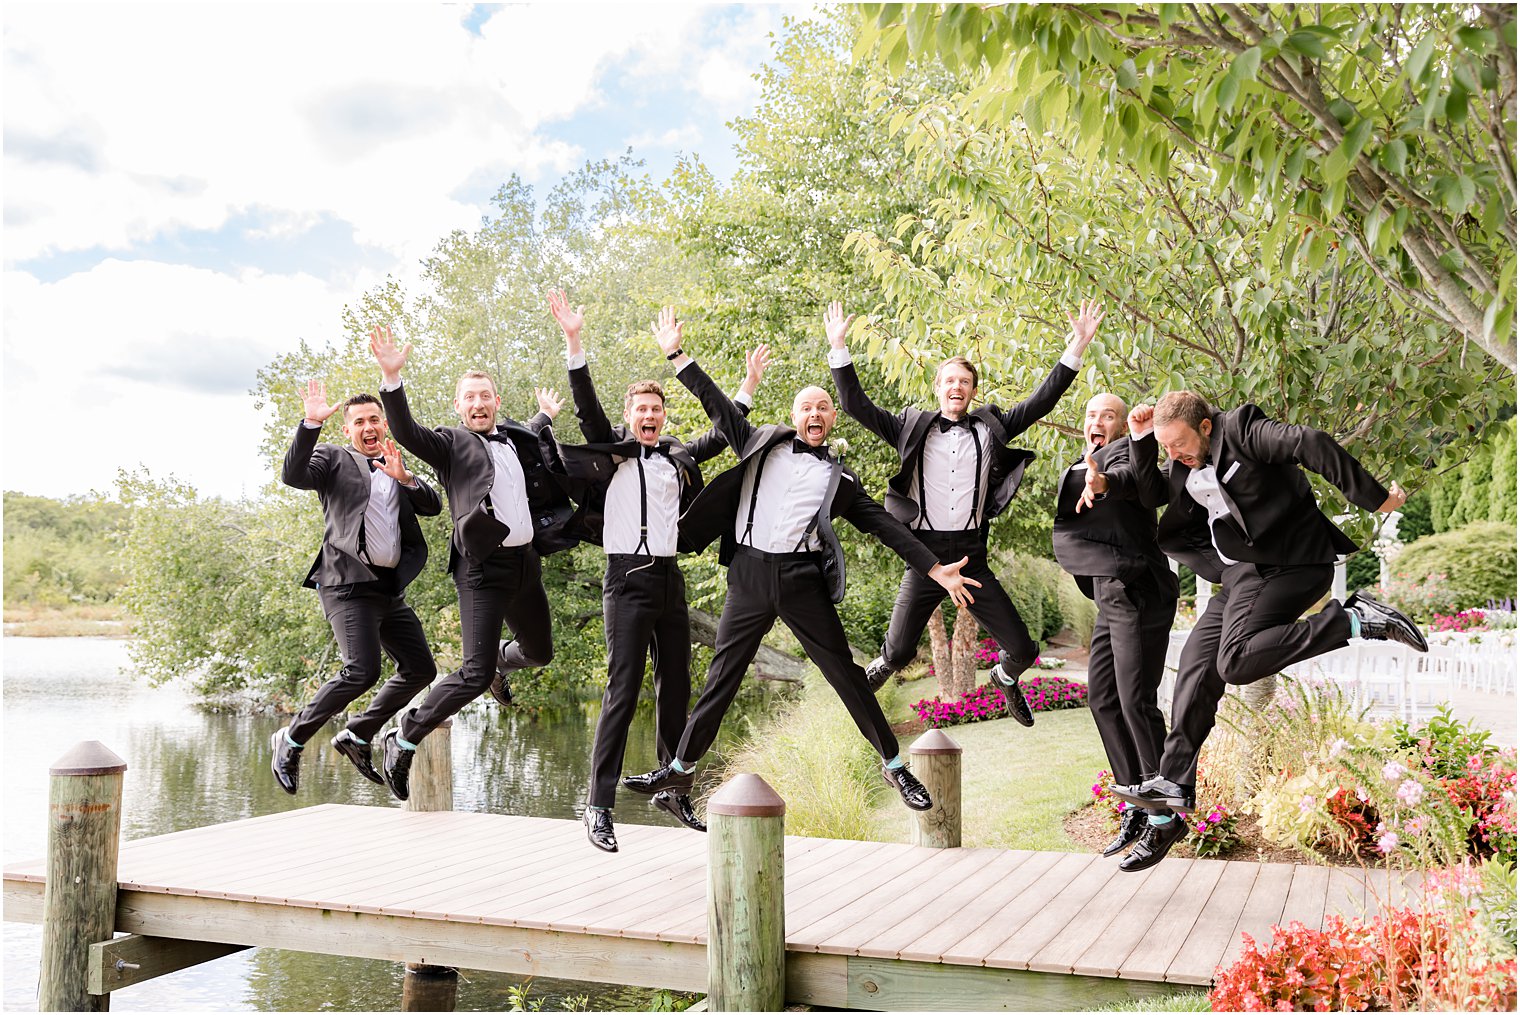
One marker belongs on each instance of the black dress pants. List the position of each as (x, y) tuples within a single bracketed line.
[(505, 588), (762, 587), (368, 618), (1250, 630), (1127, 657), (644, 616), (920, 595)]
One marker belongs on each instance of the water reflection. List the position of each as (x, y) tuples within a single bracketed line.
[(188, 767)]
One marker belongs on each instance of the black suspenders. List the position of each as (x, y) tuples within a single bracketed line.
[(976, 482)]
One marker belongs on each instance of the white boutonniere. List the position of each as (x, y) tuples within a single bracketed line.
[(838, 446)]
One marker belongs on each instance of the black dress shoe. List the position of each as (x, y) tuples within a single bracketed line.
[(286, 763), (358, 752), (397, 765), (1156, 794), (1154, 843), (679, 805), (598, 822), (1131, 825), (1018, 706), (877, 674), (1381, 622), (499, 689), (660, 779), (906, 783)]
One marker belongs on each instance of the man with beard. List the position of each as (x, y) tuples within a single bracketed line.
[(1241, 513), (773, 512), (956, 473), (640, 482), (507, 511), (1105, 536), (372, 548)]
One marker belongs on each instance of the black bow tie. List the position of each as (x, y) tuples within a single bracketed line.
[(658, 449), (498, 436), (802, 447), (376, 462), (945, 423)]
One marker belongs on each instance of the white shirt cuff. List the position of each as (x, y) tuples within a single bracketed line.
[(1074, 362), (839, 358), (389, 387), (308, 424), (743, 398), (577, 361), (1140, 432), (683, 366)]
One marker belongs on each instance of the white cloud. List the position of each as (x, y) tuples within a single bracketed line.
[(685, 137)]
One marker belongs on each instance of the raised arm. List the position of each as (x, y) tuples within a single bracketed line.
[(711, 444), (1084, 325), (1267, 440), (429, 445), (1135, 475), (300, 469), (726, 417), (852, 397), (596, 428)]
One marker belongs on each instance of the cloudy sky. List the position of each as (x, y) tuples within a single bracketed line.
[(189, 190)]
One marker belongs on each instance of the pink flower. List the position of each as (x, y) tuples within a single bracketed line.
[(1409, 792), (1392, 771), (1387, 842)]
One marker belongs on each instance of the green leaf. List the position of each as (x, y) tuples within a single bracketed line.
[(1456, 105), (1306, 43), (1125, 75), (1226, 91), (1356, 139), (1394, 156), (1245, 66)]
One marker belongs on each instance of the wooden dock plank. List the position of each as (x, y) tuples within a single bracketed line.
[(1263, 908), (889, 941), (1214, 929), (1152, 955), (1072, 936), (912, 886), (1036, 915), (850, 890), (983, 912), (1306, 897), (1112, 946)]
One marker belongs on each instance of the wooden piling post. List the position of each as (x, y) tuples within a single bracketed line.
[(79, 901), (937, 763), (427, 987), (746, 911)]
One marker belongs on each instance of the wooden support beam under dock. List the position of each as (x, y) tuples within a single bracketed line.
[(869, 925)]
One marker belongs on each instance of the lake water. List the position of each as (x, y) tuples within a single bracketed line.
[(188, 766)]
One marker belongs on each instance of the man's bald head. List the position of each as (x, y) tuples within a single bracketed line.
[(1104, 420), (813, 414)]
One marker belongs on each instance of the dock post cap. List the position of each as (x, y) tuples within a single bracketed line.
[(935, 741), (88, 757), (746, 796)]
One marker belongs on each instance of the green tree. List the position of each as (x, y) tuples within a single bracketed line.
[(1382, 133), (59, 552)]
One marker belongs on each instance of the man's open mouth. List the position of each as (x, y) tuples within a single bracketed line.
[(649, 430), (371, 441), (815, 429), (1097, 438)]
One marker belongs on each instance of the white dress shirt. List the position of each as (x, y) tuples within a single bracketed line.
[(1203, 487), (509, 493), (620, 525), (792, 486), (382, 521)]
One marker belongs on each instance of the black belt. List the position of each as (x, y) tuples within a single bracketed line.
[(749, 551), (639, 558)]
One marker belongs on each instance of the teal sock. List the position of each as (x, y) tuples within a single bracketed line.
[(1158, 819), (896, 761), (1356, 623), (594, 807), (403, 744), (291, 742), (357, 738), (679, 765)]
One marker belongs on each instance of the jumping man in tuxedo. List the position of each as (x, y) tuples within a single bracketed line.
[(372, 548), (641, 481), (773, 512), (1241, 513), (956, 474), (507, 511), (1105, 536)]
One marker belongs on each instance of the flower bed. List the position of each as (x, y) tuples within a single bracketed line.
[(987, 652), (1044, 694)]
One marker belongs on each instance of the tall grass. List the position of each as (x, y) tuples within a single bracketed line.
[(812, 754)]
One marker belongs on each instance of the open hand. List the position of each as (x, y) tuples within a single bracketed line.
[(836, 325), (391, 358), (667, 330), (1097, 486), (393, 466), (949, 578), (549, 401), (1084, 325), (570, 321), (754, 367), (314, 401)]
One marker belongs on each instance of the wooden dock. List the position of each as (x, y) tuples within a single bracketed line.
[(869, 925)]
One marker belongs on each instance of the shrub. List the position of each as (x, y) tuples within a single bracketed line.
[(1044, 694), (1479, 560), (1046, 597), (1211, 831), (1422, 597)]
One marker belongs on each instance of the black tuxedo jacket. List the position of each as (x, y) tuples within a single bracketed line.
[(1116, 537), (343, 486), (591, 465), (907, 430), (465, 468), (715, 509), (1274, 518)]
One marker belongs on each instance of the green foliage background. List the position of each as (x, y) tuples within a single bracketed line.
[(62, 552)]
